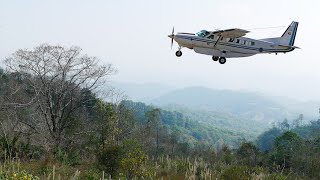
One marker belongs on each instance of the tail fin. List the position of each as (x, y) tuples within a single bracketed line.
[(289, 35)]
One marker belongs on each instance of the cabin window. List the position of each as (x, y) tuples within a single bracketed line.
[(244, 42), (211, 36), (238, 41), (231, 39), (252, 43)]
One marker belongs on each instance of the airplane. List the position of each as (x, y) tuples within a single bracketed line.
[(231, 43)]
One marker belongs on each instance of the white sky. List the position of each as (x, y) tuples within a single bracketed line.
[(132, 35)]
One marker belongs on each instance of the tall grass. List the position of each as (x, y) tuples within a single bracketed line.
[(164, 167)]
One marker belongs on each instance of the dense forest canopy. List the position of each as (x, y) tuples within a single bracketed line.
[(52, 117)]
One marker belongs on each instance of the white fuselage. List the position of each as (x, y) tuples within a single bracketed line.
[(228, 47)]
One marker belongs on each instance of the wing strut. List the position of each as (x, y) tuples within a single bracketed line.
[(217, 41)]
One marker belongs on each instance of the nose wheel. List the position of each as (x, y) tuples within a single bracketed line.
[(178, 53)]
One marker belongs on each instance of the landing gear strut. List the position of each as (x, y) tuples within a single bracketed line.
[(222, 60), (215, 58)]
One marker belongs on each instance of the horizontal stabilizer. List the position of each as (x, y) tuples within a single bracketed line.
[(288, 37), (296, 47)]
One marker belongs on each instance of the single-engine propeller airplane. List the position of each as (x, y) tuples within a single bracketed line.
[(231, 43)]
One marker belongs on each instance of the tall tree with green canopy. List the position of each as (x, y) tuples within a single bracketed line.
[(285, 148)]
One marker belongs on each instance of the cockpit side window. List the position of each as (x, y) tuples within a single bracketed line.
[(203, 33)]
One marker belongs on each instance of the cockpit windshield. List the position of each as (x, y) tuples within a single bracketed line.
[(203, 33)]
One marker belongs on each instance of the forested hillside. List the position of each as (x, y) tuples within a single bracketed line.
[(308, 131), (191, 130), (55, 124), (241, 104), (221, 120)]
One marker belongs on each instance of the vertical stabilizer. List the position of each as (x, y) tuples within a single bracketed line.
[(289, 35)]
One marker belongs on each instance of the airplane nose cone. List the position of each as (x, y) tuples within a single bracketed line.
[(171, 36)]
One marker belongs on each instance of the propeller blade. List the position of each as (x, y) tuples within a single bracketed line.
[(171, 42), (172, 37)]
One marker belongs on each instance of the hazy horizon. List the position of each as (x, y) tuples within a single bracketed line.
[(131, 94), (132, 35)]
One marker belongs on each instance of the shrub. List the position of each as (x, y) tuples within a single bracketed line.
[(10, 169), (236, 172), (23, 175), (134, 160), (109, 159), (90, 175)]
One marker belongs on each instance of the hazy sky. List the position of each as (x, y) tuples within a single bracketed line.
[(132, 35)]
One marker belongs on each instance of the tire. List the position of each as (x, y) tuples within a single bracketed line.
[(222, 60), (215, 58), (178, 53)]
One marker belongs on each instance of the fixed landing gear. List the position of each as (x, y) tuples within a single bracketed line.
[(215, 58), (178, 53), (222, 60)]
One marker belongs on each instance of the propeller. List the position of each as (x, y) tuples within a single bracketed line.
[(172, 37)]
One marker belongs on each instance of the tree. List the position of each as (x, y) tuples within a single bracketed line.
[(284, 125), (248, 154), (298, 121), (109, 159), (134, 160), (174, 140), (227, 155), (107, 124), (15, 114), (266, 140), (127, 122), (154, 125), (285, 147), (59, 78)]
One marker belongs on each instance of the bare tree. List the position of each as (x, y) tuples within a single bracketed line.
[(59, 78)]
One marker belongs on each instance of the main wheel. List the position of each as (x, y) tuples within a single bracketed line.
[(215, 58), (178, 53), (222, 60)]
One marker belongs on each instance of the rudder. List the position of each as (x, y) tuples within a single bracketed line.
[(289, 35)]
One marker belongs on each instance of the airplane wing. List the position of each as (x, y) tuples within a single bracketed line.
[(231, 33)]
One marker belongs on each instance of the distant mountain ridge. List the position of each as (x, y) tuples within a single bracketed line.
[(244, 105), (237, 103)]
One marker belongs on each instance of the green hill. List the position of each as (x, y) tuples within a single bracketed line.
[(190, 130), (243, 105)]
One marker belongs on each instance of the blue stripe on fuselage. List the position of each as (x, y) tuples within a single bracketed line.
[(235, 45)]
